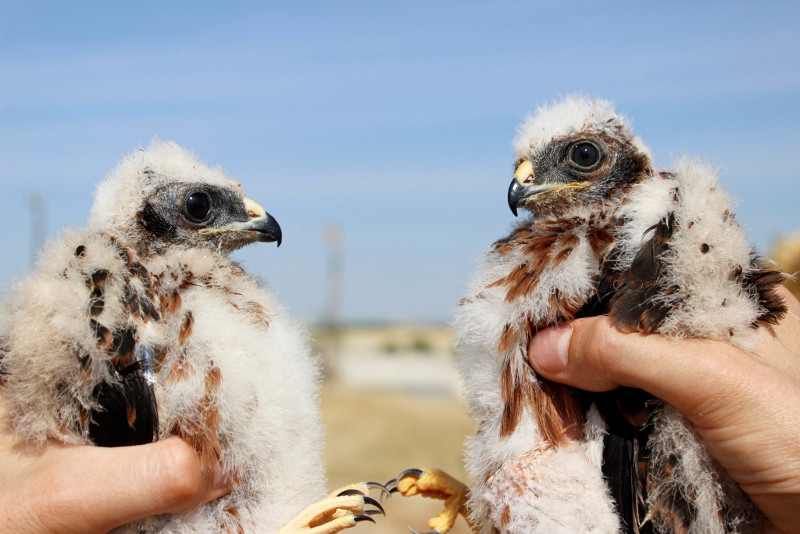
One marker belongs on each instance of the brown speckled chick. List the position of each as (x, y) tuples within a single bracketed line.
[(141, 326), (658, 251)]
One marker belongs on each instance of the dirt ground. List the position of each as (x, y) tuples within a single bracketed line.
[(375, 435)]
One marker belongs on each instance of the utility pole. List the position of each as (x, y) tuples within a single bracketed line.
[(333, 299), (38, 213)]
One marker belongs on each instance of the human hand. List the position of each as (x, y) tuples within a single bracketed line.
[(744, 405), (79, 488)]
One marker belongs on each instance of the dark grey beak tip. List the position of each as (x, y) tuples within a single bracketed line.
[(268, 230), (516, 194)]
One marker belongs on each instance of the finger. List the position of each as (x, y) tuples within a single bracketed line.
[(592, 354), (105, 488), (779, 344)]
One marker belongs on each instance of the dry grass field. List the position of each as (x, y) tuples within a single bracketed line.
[(375, 435)]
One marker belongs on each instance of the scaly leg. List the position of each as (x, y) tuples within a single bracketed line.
[(436, 484), (344, 509)]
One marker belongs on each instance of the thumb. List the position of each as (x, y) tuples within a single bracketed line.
[(591, 354), (739, 402), (107, 487)]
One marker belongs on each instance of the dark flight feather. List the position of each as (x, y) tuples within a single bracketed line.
[(126, 412)]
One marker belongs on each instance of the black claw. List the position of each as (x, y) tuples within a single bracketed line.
[(410, 472), (418, 532), (391, 486), (367, 499), (373, 502), (377, 485), (359, 518), (347, 492), (373, 512)]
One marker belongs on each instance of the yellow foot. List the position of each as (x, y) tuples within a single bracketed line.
[(344, 509), (436, 484)]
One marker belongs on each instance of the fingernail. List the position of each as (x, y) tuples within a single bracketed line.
[(550, 348)]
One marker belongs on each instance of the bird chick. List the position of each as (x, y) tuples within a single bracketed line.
[(141, 326), (658, 251)]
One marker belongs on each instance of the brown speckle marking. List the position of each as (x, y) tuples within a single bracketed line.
[(505, 516), (201, 433), (102, 334), (97, 283), (169, 304), (232, 523), (186, 328), (83, 418), (507, 339), (599, 239), (131, 413), (180, 369), (545, 245), (212, 452), (560, 256), (86, 367)]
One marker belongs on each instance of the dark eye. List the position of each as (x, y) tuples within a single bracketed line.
[(198, 204), (585, 155)]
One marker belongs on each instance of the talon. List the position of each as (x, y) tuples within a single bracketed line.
[(347, 492), (409, 473), (369, 485), (377, 485), (341, 510), (391, 486), (436, 484), (376, 504), (367, 500)]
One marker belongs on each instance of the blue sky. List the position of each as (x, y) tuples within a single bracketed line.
[(392, 121)]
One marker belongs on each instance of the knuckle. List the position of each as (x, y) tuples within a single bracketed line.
[(179, 476), (606, 344)]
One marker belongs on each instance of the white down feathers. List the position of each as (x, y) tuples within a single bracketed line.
[(575, 113)]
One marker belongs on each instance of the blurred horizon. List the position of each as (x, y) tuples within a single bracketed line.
[(389, 122)]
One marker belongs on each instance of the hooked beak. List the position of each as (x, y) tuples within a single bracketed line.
[(522, 188), (516, 195), (261, 225)]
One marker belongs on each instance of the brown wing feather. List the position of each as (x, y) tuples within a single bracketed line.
[(633, 306), (763, 282)]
